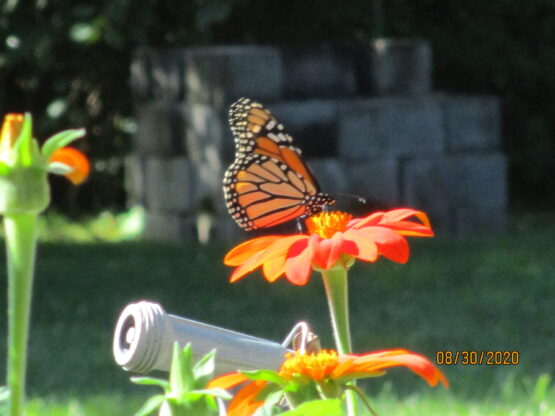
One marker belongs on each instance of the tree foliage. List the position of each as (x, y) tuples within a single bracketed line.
[(67, 61)]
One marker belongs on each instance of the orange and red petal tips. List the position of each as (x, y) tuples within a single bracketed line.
[(73, 158)]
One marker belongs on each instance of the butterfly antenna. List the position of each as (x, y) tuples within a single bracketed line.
[(359, 198)]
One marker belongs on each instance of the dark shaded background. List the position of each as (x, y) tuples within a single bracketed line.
[(68, 61)]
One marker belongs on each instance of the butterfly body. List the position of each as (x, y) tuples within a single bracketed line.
[(268, 183)]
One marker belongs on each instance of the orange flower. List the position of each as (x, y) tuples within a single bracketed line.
[(66, 161), (74, 159), (325, 367), (333, 239)]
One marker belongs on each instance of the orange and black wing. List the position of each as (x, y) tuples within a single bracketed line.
[(268, 183)]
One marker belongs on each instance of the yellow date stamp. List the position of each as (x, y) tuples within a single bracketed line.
[(475, 357)]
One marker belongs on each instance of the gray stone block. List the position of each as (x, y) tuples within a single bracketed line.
[(141, 75), (312, 124), (169, 185), (134, 180), (472, 123), (459, 192), (158, 74), (318, 72), (400, 66), (207, 134), (330, 174), (159, 129), (170, 227), (220, 75), (390, 126), (376, 180)]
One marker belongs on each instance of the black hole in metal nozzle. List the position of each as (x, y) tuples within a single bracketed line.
[(126, 335)]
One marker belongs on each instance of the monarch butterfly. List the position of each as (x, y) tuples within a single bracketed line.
[(268, 183)]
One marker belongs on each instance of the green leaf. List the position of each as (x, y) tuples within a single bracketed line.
[(328, 407), (58, 168), (151, 405), (541, 388), (4, 397), (60, 140), (149, 381), (204, 369), (4, 169), (181, 372), (85, 32), (266, 375), (22, 146), (269, 408), (215, 392), (4, 393)]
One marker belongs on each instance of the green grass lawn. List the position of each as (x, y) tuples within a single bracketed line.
[(478, 293)]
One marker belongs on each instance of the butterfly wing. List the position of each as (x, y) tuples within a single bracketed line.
[(268, 183)]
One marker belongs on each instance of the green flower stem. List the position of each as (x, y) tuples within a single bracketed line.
[(337, 292), (21, 236)]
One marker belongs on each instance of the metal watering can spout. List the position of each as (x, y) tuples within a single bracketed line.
[(145, 334)]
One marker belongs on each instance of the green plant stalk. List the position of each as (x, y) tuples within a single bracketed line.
[(337, 292), (21, 237)]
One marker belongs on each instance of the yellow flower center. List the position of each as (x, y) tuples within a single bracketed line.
[(326, 224), (316, 366), (10, 130)]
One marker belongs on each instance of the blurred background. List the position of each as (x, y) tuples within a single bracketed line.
[(70, 64)]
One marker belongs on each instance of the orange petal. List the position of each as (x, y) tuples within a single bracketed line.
[(400, 214), (273, 268), (367, 248), (395, 219), (390, 243), (375, 362), (227, 380), (247, 267), (372, 219), (299, 261), (278, 247), (328, 251), (11, 128), (244, 403), (73, 158), (274, 257), (344, 367), (239, 254)]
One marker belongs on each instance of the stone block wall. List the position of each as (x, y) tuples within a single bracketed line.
[(365, 116)]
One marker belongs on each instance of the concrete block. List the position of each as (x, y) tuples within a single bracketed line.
[(330, 174), (170, 227), (220, 75), (376, 180), (318, 72), (169, 185), (311, 123), (207, 133), (141, 75), (389, 126), (158, 74), (160, 129), (472, 123), (459, 191), (134, 179), (400, 66)]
